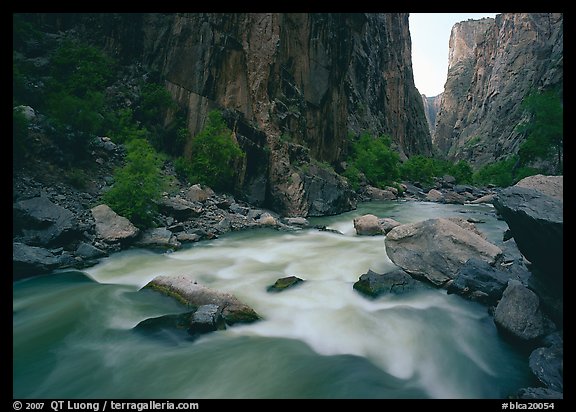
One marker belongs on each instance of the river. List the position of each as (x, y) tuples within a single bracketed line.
[(73, 331)]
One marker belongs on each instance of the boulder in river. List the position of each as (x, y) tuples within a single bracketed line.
[(533, 209), (518, 313), (158, 238), (436, 249), (188, 292), (284, 283), (547, 365), (396, 282), (477, 280), (368, 225)]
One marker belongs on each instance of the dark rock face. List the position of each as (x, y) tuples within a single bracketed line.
[(431, 109), (310, 77), (537, 223), (28, 260), (518, 313), (547, 365), (493, 65), (479, 281), (539, 393), (43, 223), (396, 282), (284, 283)]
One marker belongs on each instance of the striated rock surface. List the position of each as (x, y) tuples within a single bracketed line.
[(300, 79), (493, 65), (431, 109)]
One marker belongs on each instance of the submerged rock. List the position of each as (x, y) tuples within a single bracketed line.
[(284, 283)]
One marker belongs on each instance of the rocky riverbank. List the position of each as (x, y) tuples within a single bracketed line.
[(451, 253)]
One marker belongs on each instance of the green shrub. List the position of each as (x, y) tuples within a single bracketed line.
[(374, 158), (138, 184), (462, 172), (419, 168), (545, 135), (499, 173), (214, 156)]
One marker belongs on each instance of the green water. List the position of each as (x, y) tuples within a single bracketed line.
[(73, 336)]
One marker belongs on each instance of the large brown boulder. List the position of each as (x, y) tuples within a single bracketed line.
[(188, 292), (436, 249), (111, 227)]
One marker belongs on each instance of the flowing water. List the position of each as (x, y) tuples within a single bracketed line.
[(73, 331)]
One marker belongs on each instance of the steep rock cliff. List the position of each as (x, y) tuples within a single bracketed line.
[(286, 80), (493, 65), (431, 109)]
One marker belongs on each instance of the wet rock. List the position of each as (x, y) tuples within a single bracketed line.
[(207, 318), (188, 292), (368, 225), (518, 313), (479, 281), (284, 283), (28, 260), (539, 393), (296, 221), (434, 196), (533, 210), (547, 365), (379, 194), (375, 284)]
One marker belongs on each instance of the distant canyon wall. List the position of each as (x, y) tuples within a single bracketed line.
[(493, 65)]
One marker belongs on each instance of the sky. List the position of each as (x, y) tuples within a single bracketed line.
[(430, 33)]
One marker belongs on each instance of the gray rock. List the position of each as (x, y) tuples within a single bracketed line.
[(44, 223), (266, 219), (207, 318), (158, 237), (547, 365), (434, 196), (518, 313), (297, 221), (368, 225), (375, 284), (29, 260), (484, 199), (284, 283), (539, 393), (188, 292), (241, 210), (111, 227), (379, 194), (198, 194), (534, 215), (453, 198), (188, 237), (27, 111), (179, 208), (436, 249), (477, 280), (387, 224), (88, 251)]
